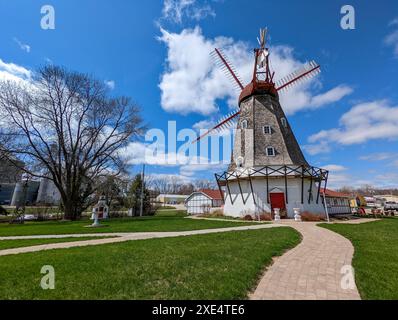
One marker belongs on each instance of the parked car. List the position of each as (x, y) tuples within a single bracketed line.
[(27, 217), (391, 206)]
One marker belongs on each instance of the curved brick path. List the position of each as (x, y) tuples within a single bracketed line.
[(311, 270)]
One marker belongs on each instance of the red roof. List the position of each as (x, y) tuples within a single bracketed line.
[(213, 194), (335, 194)]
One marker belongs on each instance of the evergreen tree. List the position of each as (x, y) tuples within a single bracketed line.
[(134, 197)]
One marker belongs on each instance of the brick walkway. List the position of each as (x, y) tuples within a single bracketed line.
[(310, 271), (118, 237)]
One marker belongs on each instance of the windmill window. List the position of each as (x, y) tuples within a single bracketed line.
[(284, 122), (243, 124), (239, 162), (270, 151), (267, 130)]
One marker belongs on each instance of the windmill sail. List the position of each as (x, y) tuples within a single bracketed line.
[(310, 70)]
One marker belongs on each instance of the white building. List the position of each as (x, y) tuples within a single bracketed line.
[(337, 203), (203, 201), (171, 198)]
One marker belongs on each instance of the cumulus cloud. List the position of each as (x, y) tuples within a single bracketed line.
[(13, 72), (392, 38), (23, 46), (178, 10), (364, 122), (155, 154), (192, 82)]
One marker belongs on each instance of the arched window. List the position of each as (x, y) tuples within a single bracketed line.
[(270, 151), (243, 124), (284, 122), (267, 130)]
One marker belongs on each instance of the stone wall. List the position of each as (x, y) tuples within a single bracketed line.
[(251, 144)]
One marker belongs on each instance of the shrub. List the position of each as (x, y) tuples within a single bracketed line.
[(248, 217), (213, 214), (309, 216), (283, 213), (3, 211), (265, 216)]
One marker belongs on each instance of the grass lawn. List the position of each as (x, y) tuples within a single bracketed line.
[(212, 266), (376, 256), (167, 220), (9, 244)]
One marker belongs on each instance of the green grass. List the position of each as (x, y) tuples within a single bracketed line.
[(35, 210), (167, 221), (375, 258), (10, 244), (170, 213), (212, 266), (166, 207)]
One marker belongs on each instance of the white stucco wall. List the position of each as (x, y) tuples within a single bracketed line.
[(238, 208)]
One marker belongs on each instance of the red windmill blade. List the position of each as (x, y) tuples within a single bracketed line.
[(228, 68), (222, 124), (310, 70)]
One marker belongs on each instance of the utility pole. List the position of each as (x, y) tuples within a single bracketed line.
[(142, 190)]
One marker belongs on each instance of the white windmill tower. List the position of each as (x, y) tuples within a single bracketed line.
[(268, 169)]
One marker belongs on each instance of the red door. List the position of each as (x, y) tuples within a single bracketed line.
[(277, 201)]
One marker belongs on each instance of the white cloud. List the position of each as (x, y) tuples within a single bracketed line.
[(204, 125), (191, 169), (392, 38), (13, 72), (364, 122), (387, 180), (192, 82), (393, 22), (334, 167), (317, 148), (379, 156), (110, 84), (177, 10), (139, 153), (330, 96), (152, 154), (23, 46), (339, 180)]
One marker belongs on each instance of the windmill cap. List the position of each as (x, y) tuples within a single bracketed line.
[(258, 87)]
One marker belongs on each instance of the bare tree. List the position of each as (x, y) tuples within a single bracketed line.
[(175, 185), (205, 184), (66, 127)]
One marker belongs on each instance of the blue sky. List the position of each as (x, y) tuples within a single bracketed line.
[(156, 52)]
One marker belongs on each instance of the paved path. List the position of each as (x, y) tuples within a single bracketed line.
[(118, 237), (311, 270), (224, 220)]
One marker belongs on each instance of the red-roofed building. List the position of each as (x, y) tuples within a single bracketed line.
[(203, 201), (337, 203)]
